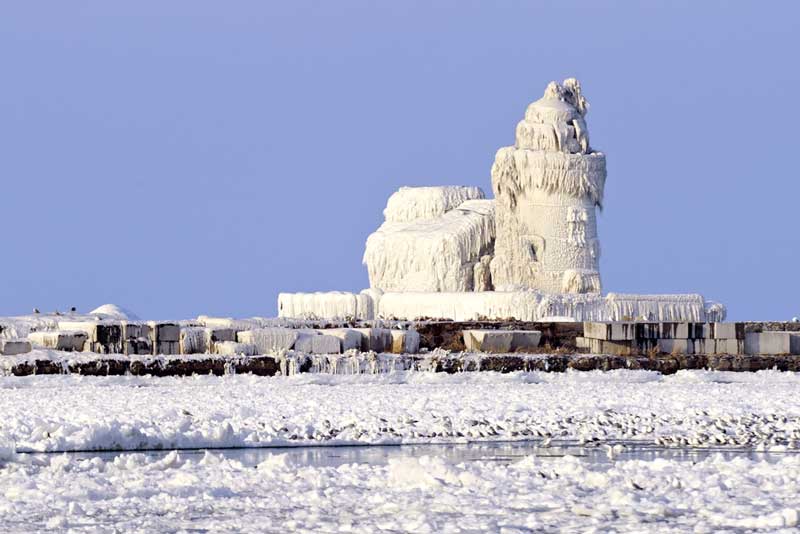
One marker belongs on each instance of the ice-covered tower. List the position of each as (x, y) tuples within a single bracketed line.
[(547, 188)]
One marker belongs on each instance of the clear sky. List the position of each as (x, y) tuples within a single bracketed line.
[(190, 157)]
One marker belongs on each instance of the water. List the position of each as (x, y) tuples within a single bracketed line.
[(501, 452)]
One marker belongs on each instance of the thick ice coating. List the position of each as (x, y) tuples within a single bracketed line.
[(432, 254), (531, 253), (547, 188), (412, 203)]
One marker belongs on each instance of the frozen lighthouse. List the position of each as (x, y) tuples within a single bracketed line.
[(530, 253), (547, 188)]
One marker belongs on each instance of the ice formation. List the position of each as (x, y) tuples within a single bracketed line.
[(321, 305), (530, 253), (535, 306), (68, 413), (712, 487), (547, 187), (432, 254), (410, 204), (269, 340)]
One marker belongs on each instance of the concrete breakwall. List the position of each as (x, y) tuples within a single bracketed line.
[(369, 347), (372, 363)]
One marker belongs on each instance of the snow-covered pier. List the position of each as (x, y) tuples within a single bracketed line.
[(41, 362), (103, 344)]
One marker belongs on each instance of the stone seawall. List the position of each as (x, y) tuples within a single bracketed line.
[(371, 363)]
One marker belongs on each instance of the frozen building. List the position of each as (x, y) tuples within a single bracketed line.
[(434, 239), (531, 253)]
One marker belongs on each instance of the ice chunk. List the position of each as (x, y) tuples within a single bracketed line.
[(269, 340), (194, 340), (165, 337), (103, 337), (316, 343), (59, 340), (136, 338), (12, 347), (349, 338)]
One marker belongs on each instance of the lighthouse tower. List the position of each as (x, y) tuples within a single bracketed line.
[(547, 188)]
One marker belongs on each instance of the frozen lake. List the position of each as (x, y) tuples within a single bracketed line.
[(600, 456), (403, 452), (479, 487)]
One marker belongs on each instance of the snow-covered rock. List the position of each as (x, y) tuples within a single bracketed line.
[(194, 340), (349, 338), (268, 340), (112, 311), (405, 341), (59, 340), (13, 347), (232, 348), (316, 343)]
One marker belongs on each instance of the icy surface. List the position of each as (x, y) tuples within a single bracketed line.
[(72, 412), (431, 255), (135, 492), (412, 203), (428, 494), (534, 306)]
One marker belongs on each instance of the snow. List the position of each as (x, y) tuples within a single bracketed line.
[(432, 255), (427, 494), (179, 492), (112, 311), (413, 203), (72, 412), (184, 491)]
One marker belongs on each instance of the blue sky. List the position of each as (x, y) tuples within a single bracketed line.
[(192, 157)]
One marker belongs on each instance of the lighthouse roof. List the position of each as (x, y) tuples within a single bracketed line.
[(554, 106)]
